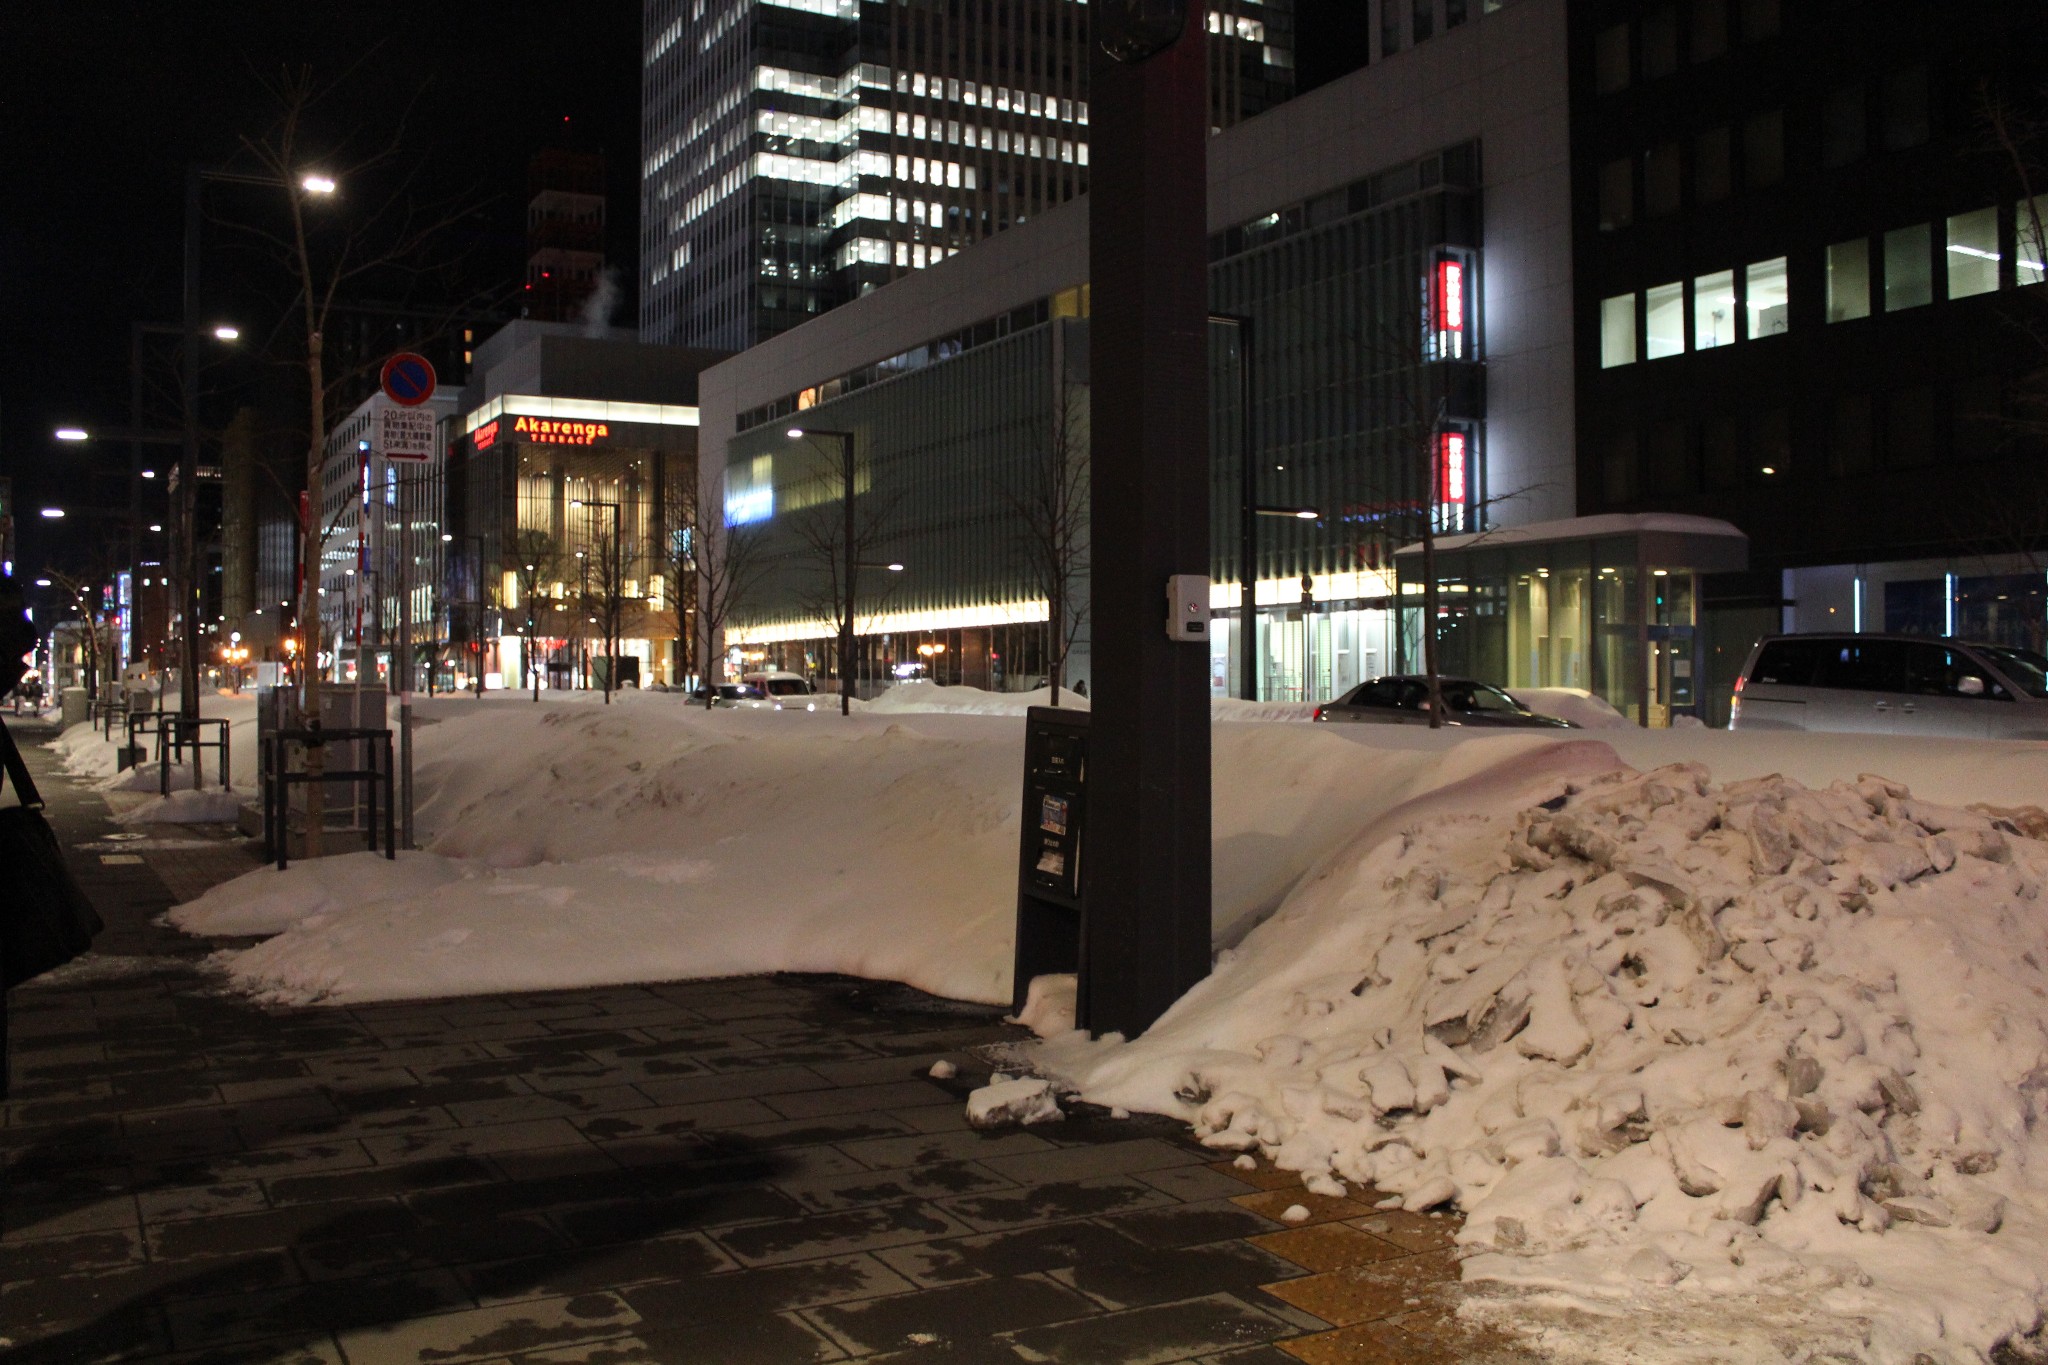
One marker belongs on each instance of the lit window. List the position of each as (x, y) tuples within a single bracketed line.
[(2032, 261), (1972, 253), (1908, 267), (1664, 319), (1849, 280), (1617, 331), (1713, 310), (1767, 294)]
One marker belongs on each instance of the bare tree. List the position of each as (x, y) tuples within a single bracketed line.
[(1050, 503), (86, 590), (536, 560), (841, 534), (389, 232), (711, 569), (610, 568)]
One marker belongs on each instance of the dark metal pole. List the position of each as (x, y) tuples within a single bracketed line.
[(617, 608), (187, 558), (1146, 935), (134, 487), (1248, 510), (852, 567)]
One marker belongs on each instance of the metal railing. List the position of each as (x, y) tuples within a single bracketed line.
[(174, 732), (278, 778)]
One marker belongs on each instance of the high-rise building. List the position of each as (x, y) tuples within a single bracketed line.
[(799, 153), (564, 234)]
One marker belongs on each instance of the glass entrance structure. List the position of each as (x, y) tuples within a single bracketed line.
[(1608, 604)]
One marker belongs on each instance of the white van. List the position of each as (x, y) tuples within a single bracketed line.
[(784, 691), (1892, 685)]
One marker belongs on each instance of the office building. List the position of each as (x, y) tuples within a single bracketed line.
[(799, 154), (572, 471), (1679, 323)]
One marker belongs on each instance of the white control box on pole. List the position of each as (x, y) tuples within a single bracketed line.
[(1187, 607)]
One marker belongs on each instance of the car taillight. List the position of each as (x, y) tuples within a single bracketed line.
[(1739, 680), (1319, 715)]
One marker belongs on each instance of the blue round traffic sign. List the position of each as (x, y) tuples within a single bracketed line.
[(408, 379)]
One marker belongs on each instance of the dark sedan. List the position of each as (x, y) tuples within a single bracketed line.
[(1404, 700)]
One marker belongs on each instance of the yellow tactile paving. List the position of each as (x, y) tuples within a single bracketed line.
[(1319, 1247)]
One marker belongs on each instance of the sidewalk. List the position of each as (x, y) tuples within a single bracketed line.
[(748, 1170)]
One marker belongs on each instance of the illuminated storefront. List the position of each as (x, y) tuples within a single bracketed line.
[(565, 551), (1609, 604)]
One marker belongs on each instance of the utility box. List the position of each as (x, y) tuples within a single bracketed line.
[(1051, 872)]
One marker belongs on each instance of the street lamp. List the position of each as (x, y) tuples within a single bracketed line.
[(613, 589), (852, 563), (196, 177), (73, 434)]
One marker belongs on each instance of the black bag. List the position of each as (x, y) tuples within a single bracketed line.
[(45, 919)]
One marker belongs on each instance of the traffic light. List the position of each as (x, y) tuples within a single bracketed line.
[(1132, 30)]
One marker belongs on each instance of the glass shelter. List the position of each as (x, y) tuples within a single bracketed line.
[(1607, 604)]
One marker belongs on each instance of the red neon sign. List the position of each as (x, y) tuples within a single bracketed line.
[(1452, 462), (487, 435), (1450, 293)]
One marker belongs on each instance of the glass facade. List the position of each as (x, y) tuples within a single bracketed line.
[(1614, 615), (1347, 296), (556, 547)]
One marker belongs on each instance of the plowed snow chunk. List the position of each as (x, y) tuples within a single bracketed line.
[(1734, 1042), (1025, 1100)]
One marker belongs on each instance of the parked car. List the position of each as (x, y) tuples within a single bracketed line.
[(733, 696), (777, 683), (1892, 685), (1403, 699)]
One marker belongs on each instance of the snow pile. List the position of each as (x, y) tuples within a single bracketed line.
[(84, 752), (1574, 704), (915, 697), (1663, 1043), (925, 698), (585, 845), (1007, 1100)]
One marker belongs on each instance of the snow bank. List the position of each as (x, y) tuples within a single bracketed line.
[(578, 845), (925, 698), (1664, 1043), (84, 752)]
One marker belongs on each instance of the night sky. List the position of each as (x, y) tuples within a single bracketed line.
[(104, 104)]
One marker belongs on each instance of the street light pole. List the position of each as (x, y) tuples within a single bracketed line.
[(1248, 510), (186, 559)]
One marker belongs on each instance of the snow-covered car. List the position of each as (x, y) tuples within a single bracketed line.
[(1403, 699)]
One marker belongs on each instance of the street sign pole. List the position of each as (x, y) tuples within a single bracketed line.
[(1146, 936)]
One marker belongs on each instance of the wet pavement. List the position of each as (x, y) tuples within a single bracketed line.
[(757, 1169)]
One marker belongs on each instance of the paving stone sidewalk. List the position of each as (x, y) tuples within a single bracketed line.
[(748, 1170)]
